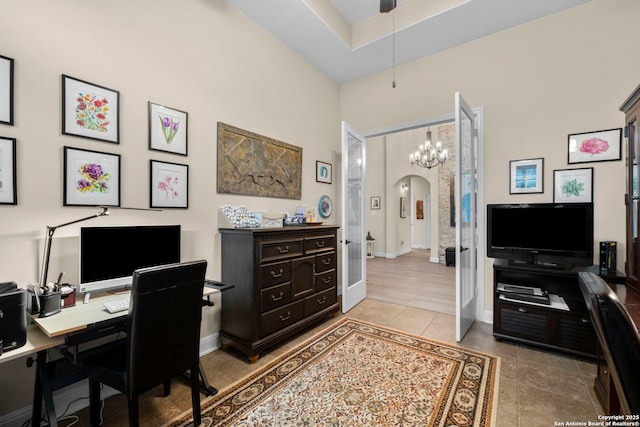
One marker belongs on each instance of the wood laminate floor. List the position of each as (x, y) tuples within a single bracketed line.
[(412, 280)]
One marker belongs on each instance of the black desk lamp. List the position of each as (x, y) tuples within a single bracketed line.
[(47, 245)]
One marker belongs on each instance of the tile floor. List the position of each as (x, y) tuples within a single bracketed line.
[(537, 387)]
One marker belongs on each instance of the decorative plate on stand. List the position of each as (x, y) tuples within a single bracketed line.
[(325, 206)]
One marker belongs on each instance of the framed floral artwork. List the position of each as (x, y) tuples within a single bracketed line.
[(598, 146), (91, 178), (167, 129), (89, 110), (6, 90), (8, 194), (169, 185), (573, 185)]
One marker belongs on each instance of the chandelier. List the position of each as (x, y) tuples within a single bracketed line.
[(428, 155)]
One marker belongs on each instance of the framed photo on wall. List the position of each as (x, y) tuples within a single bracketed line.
[(6, 90), (403, 207), (89, 110), (573, 185), (323, 172), (525, 176), (598, 146), (167, 129), (375, 203), (8, 187), (91, 178), (169, 185)]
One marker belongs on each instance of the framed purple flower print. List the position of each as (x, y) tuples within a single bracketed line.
[(89, 110), (91, 178), (167, 129), (598, 146), (169, 185)]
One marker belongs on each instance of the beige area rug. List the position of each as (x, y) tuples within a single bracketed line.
[(361, 374)]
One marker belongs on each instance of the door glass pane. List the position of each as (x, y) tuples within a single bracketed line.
[(467, 217), (635, 195), (355, 196)]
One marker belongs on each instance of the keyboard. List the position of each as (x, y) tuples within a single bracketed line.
[(117, 305)]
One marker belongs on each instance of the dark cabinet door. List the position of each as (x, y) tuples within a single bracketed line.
[(302, 277), (631, 108)]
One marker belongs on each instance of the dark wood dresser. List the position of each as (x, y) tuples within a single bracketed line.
[(285, 279)]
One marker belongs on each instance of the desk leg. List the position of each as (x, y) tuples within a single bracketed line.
[(204, 382), (42, 389)]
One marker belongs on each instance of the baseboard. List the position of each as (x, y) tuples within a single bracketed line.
[(434, 259), (76, 396)]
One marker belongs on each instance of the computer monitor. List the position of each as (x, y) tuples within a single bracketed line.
[(110, 255)]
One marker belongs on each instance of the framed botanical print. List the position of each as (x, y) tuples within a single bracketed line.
[(8, 187), (6, 90), (169, 185), (167, 129), (598, 146), (573, 185), (91, 178), (90, 110)]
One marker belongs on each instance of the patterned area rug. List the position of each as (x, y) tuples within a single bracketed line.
[(360, 374)]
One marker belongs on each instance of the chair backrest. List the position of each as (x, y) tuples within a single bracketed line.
[(618, 336), (163, 335)]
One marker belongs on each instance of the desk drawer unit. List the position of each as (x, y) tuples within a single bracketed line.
[(284, 281)]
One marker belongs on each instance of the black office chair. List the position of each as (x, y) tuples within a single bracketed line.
[(163, 338), (618, 336)]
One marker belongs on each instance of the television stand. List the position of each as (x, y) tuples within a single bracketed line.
[(563, 327), (539, 264)]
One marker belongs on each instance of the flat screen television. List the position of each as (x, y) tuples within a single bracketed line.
[(110, 255), (543, 234)]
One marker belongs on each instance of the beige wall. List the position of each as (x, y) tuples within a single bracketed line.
[(202, 57), (536, 84)]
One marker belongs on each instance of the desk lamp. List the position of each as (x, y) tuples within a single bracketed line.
[(47, 245)]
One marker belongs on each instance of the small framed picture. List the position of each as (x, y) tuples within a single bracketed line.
[(325, 206), (403, 207), (167, 129), (598, 146), (6, 90), (573, 185), (375, 203), (525, 176), (89, 110), (169, 185), (323, 172), (91, 178), (8, 192)]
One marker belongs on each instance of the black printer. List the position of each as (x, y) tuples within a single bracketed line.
[(13, 317)]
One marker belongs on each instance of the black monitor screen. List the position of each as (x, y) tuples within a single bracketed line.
[(108, 253)]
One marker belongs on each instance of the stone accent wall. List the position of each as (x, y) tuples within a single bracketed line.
[(447, 234)]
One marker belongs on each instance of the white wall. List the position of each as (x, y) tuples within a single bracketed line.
[(537, 83), (202, 57)]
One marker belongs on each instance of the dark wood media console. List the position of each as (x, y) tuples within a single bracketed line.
[(568, 330), (285, 279)]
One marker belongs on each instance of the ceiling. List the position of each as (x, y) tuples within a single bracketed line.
[(350, 39)]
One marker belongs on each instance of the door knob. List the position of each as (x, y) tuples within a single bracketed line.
[(462, 249)]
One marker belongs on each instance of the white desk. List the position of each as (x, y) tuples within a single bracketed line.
[(53, 331)]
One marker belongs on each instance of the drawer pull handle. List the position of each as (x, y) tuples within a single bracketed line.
[(276, 275), (277, 298), (283, 318), (322, 301), (326, 261), (522, 310), (283, 250), (326, 280), (320, 244)]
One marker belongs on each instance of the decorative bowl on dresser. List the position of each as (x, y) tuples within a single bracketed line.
[(285, 280)]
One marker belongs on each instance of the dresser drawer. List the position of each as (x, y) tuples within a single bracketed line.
[(274, 297), (272, 250), (319, 243), (326, 279), (325, 262), (272, 274), (319, 301), (279, 318)]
